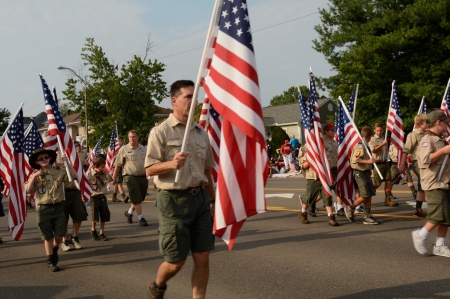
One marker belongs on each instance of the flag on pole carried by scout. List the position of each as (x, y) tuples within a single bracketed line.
[(445, 104), (32, 142), (56, 125), (12, 170), (233, 90), (113, 148), (395, 125), (95, 152)]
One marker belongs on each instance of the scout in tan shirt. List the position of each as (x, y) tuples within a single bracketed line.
[(185, 205), (431, 154), (361, 163), (412, 144), (379, 147), (130, 160), (99, 204), (48, 183)]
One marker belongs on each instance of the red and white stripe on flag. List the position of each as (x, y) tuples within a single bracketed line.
[(233, 90), (12, 170), (395, 125), (113, 148)]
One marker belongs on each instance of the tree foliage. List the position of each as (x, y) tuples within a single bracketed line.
[(289, 96), (278, 137), (124, 94), (375, 42), (4, 119)]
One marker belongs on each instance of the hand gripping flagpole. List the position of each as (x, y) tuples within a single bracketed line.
[(357, 132), (66, 164), (200, 75)]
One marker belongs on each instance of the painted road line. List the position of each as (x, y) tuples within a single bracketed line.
[(284, 195)]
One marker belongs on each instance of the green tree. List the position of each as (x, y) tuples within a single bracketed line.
[(289, 96), (63, 108), (124, 94), (375, 42), (4, 119), (278, 137)]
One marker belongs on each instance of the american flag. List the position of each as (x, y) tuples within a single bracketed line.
[(233, 89), (113, 148), (395, 125), (213, 125), (315, 150), (350, 108), (423, 107), (33, 141), (12, 170), (347, 139), (57, 126), (95, 152), (445, 105)]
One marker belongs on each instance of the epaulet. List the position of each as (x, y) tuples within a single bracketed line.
[(157, 124)]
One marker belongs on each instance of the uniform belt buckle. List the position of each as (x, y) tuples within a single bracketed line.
[(194, 191)]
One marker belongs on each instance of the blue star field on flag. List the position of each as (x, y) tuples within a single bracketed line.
[(33, 140), (15, 133), (306, 122), (234, 21)]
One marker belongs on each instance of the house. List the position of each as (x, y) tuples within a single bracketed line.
[(288, 117)]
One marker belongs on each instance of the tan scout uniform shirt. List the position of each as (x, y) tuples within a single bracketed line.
[(165, 141), (358, 154), (429, 172), (309, 174), (380, 155), (331, 150), (99, 185), (50, 189), (393, 153), (412, 143), (131, 160)]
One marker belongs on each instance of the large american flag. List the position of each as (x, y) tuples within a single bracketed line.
[(445, 105), (395, 125), (94, 153), (57, 126), (348, 138), (315, 150), (12, 170), (33, 141), (233, 90), (113, 148)]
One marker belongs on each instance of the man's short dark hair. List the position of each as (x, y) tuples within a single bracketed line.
[(176, 87)]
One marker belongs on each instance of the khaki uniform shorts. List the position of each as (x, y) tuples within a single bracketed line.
[(74, 206), (314, 189), (137, 188), (364, 182), (385, 172), (415, 168), (51, 221), (99, 209), (185, 223), (438, 209)]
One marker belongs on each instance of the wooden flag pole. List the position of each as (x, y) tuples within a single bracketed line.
[(200, 75), (363, 142)]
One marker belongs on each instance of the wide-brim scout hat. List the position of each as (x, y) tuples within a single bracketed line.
[(437, 115), (38, 152)]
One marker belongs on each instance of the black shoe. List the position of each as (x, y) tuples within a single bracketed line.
[(341, 212), (94, 235), (52, 266), (129, 217), (102, 237), (143, 222)]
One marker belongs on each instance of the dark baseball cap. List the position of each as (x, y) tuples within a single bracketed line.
[(437, 115)]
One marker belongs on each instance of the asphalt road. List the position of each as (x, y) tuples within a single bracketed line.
[(275, 256)]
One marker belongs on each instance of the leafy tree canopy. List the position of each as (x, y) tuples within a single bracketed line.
[(290, 96), (4, 119), (124, 94), (372, 43)]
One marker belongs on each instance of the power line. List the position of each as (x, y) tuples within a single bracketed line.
[(179, 53)]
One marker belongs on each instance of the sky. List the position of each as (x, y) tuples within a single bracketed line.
[(38, 36)]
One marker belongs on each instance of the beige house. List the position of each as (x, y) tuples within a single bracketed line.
[(288, 117)]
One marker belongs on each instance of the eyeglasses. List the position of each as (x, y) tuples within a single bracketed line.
[(43, 158)]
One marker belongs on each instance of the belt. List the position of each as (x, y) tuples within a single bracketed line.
[(192, 191)]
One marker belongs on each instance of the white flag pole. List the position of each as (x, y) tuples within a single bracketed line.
[(200, 75), (357, 132), (421, 105), (390, 104), (61, 148), (354, 104), (442, 167)]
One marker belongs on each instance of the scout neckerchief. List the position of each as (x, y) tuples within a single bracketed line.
[(431, 133), (97, 178)]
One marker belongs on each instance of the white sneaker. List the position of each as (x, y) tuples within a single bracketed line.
[(335, 204), (76, 244), (420, 243), (65, 246), (441, 251)]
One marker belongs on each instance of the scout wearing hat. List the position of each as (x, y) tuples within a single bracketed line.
[(48, 183)]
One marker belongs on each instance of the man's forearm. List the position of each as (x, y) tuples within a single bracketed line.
[(160, 168)]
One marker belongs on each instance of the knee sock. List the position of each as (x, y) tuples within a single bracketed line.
[(439, 242), (303, 210), (418, 204), (130, 211)]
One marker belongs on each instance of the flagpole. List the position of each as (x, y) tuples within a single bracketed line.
[(200, 75), (27, 131), (421, 105), (357, 132), (390, 104), (12, 119), (356, 98), (69, 176)]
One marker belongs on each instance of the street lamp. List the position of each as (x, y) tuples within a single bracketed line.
[(85, 100)]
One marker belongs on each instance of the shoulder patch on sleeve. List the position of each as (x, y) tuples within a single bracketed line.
[(424, 144)]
